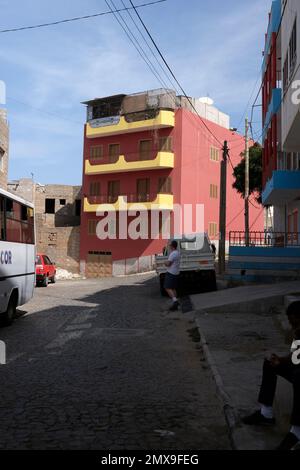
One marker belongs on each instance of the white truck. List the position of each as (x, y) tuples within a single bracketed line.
[(197, 265)]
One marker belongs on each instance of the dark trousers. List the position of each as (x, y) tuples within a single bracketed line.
[(291, 373)]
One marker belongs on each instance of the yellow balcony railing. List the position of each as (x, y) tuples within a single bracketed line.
[(161, 202), (163, 119), (163, 160)]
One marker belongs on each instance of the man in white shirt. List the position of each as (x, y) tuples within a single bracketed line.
[(172, 275)]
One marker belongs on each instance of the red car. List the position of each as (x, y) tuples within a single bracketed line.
[(45, 270)]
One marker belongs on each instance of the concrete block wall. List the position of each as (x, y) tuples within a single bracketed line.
[(64, 214), (62, 245), (24, 188)]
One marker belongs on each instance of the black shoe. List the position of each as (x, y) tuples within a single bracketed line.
[(174, 307), (288, 442), (257, 419)]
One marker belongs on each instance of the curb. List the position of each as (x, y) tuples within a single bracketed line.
[(229, 411)]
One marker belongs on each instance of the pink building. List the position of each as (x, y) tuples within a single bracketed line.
[(152, 148)]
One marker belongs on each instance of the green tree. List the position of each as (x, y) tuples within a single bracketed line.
[(255, 173)]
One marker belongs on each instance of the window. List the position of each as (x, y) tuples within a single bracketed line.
[(293, 48), (113, 191), (295, 161), (295, 221), (290, 216), (214, 190), (2, 152), (95, 188), (212, 229), (92, 226), (62, 202), (78, 207), (113, 152), (96, 153), (18, 223), (50, 206), (214, 154), (165, 144), (165, 185), (145, 149), (143, 190), (47, 261)]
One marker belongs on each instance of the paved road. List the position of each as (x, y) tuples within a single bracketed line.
[(101, 365)]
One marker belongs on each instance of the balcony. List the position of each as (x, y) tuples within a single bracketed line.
[(274, 24), (273, 109), (283, 187), (120, 125), (133, 202), (163, 161)]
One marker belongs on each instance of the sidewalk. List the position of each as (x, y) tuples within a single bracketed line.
[(238, 328), (245, 298)]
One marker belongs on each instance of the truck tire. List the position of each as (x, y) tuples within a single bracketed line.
[(9, 315), (212, 283)]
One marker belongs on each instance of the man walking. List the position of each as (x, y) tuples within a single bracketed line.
[(172, 275)]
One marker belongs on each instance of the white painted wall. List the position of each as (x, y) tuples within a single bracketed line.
[(290, 111)]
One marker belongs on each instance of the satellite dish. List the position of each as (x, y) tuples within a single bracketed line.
[(206, 100)]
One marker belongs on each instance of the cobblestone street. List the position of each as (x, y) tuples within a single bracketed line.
[(100, 365)]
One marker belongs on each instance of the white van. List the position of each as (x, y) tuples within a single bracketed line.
[(17, 254)]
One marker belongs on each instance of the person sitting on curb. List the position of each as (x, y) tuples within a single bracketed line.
[(287, 367), (172, 275)]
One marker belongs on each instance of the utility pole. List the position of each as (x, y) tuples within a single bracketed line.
[(246, 183), (223, 200)]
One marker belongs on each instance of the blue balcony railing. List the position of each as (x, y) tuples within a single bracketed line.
[(273, 109), (284, 186)]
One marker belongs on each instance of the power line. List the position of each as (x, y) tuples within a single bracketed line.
[(132, 38), (229, 158), (147, 43), (256, 207), (257, 218), (48, 113), (135, 42), (77, 18), (234, 219), (172, 73), (247, 106)]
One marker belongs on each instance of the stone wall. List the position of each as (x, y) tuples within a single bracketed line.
[(61, 244), (4, 147)]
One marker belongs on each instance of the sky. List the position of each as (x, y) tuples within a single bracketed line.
[(214, 47)]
